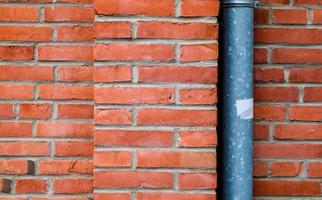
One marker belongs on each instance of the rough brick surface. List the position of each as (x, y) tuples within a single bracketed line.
[(288, 96), (117, 99)]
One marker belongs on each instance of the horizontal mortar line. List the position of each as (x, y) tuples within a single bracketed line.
[(47, 158), (147, 62), (45, 139), (51, 82), (155, 41), (289, 142), (32, 63), (274, 123), (47, 101), (160, 169), (289, 46), (293, 6), (121, 18), (38, 175), (282, 103), (156, 106), (44, 23), (283, 179), (104, 190), (50, 4), (153, 84), (290, 159), (64, 43), (289, 84), (102, 127), (289, 65), (289, 26), (166, 149), (290, 122), (159, 64), (309, 141), (158, 129)]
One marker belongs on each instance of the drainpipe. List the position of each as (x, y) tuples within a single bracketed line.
[(237, 121)]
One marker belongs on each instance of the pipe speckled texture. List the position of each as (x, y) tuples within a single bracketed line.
[(238, 101)]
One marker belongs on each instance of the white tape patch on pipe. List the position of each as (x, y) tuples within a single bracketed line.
[(245, 108)]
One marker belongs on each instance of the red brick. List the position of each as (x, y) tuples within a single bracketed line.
[(178, 74), (172, 195), (69, 14), (112, 196), (6, 111), (56, 167), (26, 148), (298, 131), (168, 30), (269, 112), (135, 7), (73, 186), (306, 75), (78, 111), (63, 53), (25, 33), (31, 186), (197, 96), (275, 2), (26, 73), (176, 159), (16, 167), (291, 188), (75, 1), (112, 30), (132, 51), (15, 91), (313, 94), (297, 55), (197, 138), (286, 168), (19, 14), (174, 117), (269, 74), (112, 159), (287, 150), (308, 2), (276, 94), (15, 129), (113, 74), (260, 169), (60, 198), (261, 131), (260, 55), (286, 35), (135, 138), (74, 148), (261, 16), (132, 179), (315, 170), (75, 33), (64, 129), (134, 95), (200, 52), (65, 92), (16, 52), (35, 110), (290, 16), (196, 8), (5, 185), (110, 116), (75, 73), (317, 16), (197, 181), (305, 113)]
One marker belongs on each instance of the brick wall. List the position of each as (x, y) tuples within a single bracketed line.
[(46, 99), (116, 99), (288, 93)]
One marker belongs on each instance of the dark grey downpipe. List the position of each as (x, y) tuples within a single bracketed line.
[(237, 115)]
